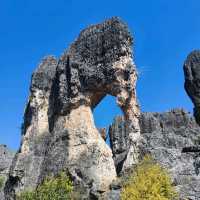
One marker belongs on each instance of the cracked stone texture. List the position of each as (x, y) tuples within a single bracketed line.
[(6, 157), (164, 135), (192, 81), (58, 131)]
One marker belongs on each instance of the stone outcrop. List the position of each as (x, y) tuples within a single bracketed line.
[(58, 131), (27, 164), (192, 81), (168, 137), (119, 141), (103, 133), (6, 157)]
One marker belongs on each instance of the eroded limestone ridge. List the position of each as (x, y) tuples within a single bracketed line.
[(172, 139), (58, 131), (192, 81)]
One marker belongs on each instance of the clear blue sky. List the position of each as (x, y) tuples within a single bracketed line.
[(165, 31)]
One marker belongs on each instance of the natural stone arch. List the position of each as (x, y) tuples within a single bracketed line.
[(100, 62), (63, 93)]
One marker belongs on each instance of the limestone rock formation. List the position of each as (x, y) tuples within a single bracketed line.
[(165, 136), (118, 141), (26, 167), (6, 157), (192, 81), (59, 131)]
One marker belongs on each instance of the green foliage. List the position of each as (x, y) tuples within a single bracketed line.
[(149, 181), (27, 195), (2, 180), (53, 188)]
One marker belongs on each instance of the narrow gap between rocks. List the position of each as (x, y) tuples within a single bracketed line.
[(104, 114)]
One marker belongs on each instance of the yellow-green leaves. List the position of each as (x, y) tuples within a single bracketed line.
[(149, 182), (2, 180)]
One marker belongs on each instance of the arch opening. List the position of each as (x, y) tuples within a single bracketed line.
[(104, 114)]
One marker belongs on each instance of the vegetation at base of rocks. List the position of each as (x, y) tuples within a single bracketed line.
[(53, 188), (149, 181), (2, 179)]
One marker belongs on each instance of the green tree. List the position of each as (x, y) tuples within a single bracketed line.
[(149, 181)]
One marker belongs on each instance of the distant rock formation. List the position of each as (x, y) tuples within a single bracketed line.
[(58, 131), (118, 141), (192, 81), (165, 136), (6, 157)]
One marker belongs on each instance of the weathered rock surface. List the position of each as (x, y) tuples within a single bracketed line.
[(6, 157), (26, 167), (165, 135), (192, 81), (59, 132), (119, 141)]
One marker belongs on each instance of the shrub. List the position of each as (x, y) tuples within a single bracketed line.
[(149, 181), (2, 179), (53, 188), (27, 195)]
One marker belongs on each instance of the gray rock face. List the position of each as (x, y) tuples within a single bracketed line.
[(59, 131), (192, 81), (27, 164), (100, 62), (119, 141), (167, 136), (6, 157)]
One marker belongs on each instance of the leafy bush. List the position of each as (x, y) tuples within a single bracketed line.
[(53, 188), (2, 179), (27, 195), (149, 181)]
